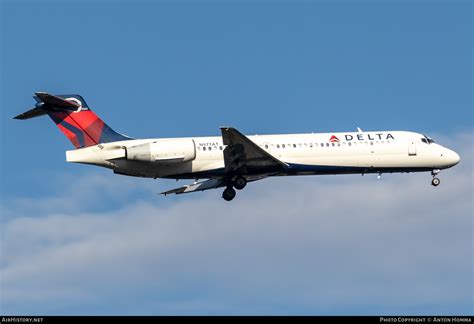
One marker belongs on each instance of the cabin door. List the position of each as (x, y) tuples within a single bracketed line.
[(411, 147)]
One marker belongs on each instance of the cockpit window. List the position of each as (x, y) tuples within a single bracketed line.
[(427, 140)]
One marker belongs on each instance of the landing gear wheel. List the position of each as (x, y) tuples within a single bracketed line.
[(228, 194), (435, 182), (240, 183)]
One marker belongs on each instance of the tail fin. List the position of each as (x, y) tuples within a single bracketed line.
[(74, 118)]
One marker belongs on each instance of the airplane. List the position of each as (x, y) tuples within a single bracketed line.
[(232, 160)]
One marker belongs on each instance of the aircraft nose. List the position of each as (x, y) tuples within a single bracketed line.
[(453, 157)]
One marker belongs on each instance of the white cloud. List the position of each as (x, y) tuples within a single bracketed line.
[(314, 245)]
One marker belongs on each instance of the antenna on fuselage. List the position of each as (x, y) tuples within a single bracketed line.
[(359, 130)]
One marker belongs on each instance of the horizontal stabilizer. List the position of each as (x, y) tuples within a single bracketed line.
[(46, 102), (32, 113), (57, 101), (73, 117), (199, 186)]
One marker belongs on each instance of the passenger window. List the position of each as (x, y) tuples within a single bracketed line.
[(283, 145), (294, 145), (220, 148), (278, 145), (203, 148), (266, 146), (310, 144), (327, 144), (333, 144), (349, 143)]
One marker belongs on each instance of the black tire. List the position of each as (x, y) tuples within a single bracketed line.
[(240, 183), (435, 182), (228, 194)]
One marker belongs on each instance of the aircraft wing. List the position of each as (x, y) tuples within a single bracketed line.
[(241, 154), (205, 185), (198, 186)]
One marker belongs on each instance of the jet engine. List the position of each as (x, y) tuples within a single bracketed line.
[(164, 151)]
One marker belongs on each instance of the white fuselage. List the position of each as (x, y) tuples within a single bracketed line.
[(324, 153)]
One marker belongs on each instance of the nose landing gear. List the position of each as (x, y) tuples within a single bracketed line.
[(435, 182)]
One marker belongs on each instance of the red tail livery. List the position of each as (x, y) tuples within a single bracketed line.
[(74, 118)]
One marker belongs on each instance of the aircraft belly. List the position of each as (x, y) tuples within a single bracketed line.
[(206, 165), (357, 163), (165, 170)]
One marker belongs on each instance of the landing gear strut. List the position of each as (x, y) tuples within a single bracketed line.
[(240, 183), (435, 182), (228, 194)]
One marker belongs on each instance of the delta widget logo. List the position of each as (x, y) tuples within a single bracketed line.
[(334, 139)]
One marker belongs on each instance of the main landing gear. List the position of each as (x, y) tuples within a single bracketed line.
[(228, 194), (435, 182), (238, 183)]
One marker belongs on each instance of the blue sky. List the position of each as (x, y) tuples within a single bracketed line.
[(163, 69)]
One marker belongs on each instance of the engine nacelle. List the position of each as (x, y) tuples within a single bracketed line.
[(164, 151)]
